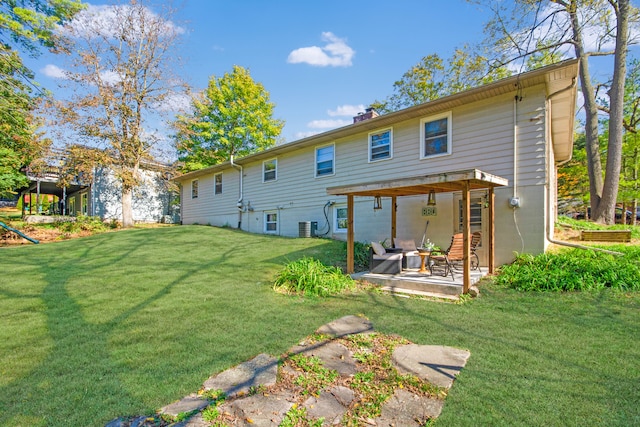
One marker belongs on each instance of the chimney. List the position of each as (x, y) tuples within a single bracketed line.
[(369, 113)]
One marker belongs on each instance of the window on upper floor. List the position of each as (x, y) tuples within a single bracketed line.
[(340, 219), (217, 181), (269, 170), (270, 222), (435, 135), (324, 160), (380, 145), (194, 189)]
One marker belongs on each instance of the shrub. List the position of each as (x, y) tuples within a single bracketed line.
[(84, 223), (573, 270), (308, 276)]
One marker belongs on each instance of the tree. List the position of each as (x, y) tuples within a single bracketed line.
[(122, 79), (526, 27), (232, 117), (432, 78), (25, 24), (630, 174)]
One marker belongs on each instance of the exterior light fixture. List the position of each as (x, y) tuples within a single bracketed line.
[(377, 203), (431, 201)]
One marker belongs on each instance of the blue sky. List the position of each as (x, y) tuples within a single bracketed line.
[(321, 61)]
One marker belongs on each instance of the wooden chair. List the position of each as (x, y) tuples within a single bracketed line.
[(447, 259), (476, 237)]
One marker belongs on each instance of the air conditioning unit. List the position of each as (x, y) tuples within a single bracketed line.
[(307, 228)]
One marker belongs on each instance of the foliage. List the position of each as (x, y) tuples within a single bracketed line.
[(297, 416), (579, 224), (573, 179), (360, 255), (233, 117), (122, 81), (431, 79), (314, 377), (310, 277), (573, 270), (31, 22)]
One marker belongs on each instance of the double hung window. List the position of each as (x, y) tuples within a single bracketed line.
[(435, 135), (269, 170), (324, 160), (380, 145), (270, 222), (194, 189), (217, 178)]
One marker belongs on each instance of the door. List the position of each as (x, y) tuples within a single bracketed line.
[(479, 209)]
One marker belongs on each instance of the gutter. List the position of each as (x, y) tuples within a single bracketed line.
[(241, 197)]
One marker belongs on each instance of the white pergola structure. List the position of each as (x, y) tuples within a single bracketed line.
[(463, 181)]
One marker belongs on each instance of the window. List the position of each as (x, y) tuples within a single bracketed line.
[(435, 135), (72, 206), (217, 183), (340, 219), (380, 145), (270, 222), (194, 189), (324, 161), (84, 204), (269, 170), (475, 214)]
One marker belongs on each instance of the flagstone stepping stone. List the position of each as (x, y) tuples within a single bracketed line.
[(187, 404), (347, 325), (333, 355), (259, 410), (436, 364), (331, 404), (407, 409), (261, 370)]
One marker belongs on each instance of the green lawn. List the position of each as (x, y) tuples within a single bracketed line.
[(123, 323)]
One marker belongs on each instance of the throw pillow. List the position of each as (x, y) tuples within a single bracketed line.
[(378, 249)]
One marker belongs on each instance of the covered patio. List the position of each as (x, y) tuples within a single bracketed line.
[(456, 181)]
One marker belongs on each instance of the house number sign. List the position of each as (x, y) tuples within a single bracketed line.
[(429, 211)]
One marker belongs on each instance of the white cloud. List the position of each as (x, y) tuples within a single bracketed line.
[(103, 20), (54, 72), (336, 53), (346, 110), (300, 135), (328, 124)]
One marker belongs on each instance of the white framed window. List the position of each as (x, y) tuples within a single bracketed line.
[(270, 222), (340, 222), (72, 206), (435, 135), (270, 170), (217, 183), (325, 157), (381, 145), (194, 189)]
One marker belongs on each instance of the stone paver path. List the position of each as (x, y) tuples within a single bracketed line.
[(438, 365)]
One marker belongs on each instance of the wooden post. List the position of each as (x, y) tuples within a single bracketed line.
[(466, 265), (491, 244), (394, 218), (350, 235)]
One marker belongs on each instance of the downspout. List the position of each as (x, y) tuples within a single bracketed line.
[(239, 204), (549, 224)]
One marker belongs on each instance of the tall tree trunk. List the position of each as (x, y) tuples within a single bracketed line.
[(127, 207), (592, 145), (616, 114)]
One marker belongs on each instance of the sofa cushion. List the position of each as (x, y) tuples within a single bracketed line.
[(378, 248), (406, 245)]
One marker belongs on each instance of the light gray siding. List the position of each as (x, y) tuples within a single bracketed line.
[(482, 138)]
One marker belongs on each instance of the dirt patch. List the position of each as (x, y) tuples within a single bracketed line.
[(42, 234)]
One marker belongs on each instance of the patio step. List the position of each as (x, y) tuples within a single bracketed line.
[(414, 283)]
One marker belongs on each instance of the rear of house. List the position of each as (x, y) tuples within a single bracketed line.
[(518, 129)]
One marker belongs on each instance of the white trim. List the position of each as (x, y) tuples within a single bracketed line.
[(275, 160), (336, 229), (277, 222), (390, 130), (429, 119), (333, 160)]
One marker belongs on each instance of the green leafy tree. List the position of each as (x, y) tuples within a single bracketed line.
[(122, 82), (630, 174), (26, 25), (232, 117), (433, 78), (523, 28)]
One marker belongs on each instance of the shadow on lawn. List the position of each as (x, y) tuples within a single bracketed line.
[(83, 369)]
